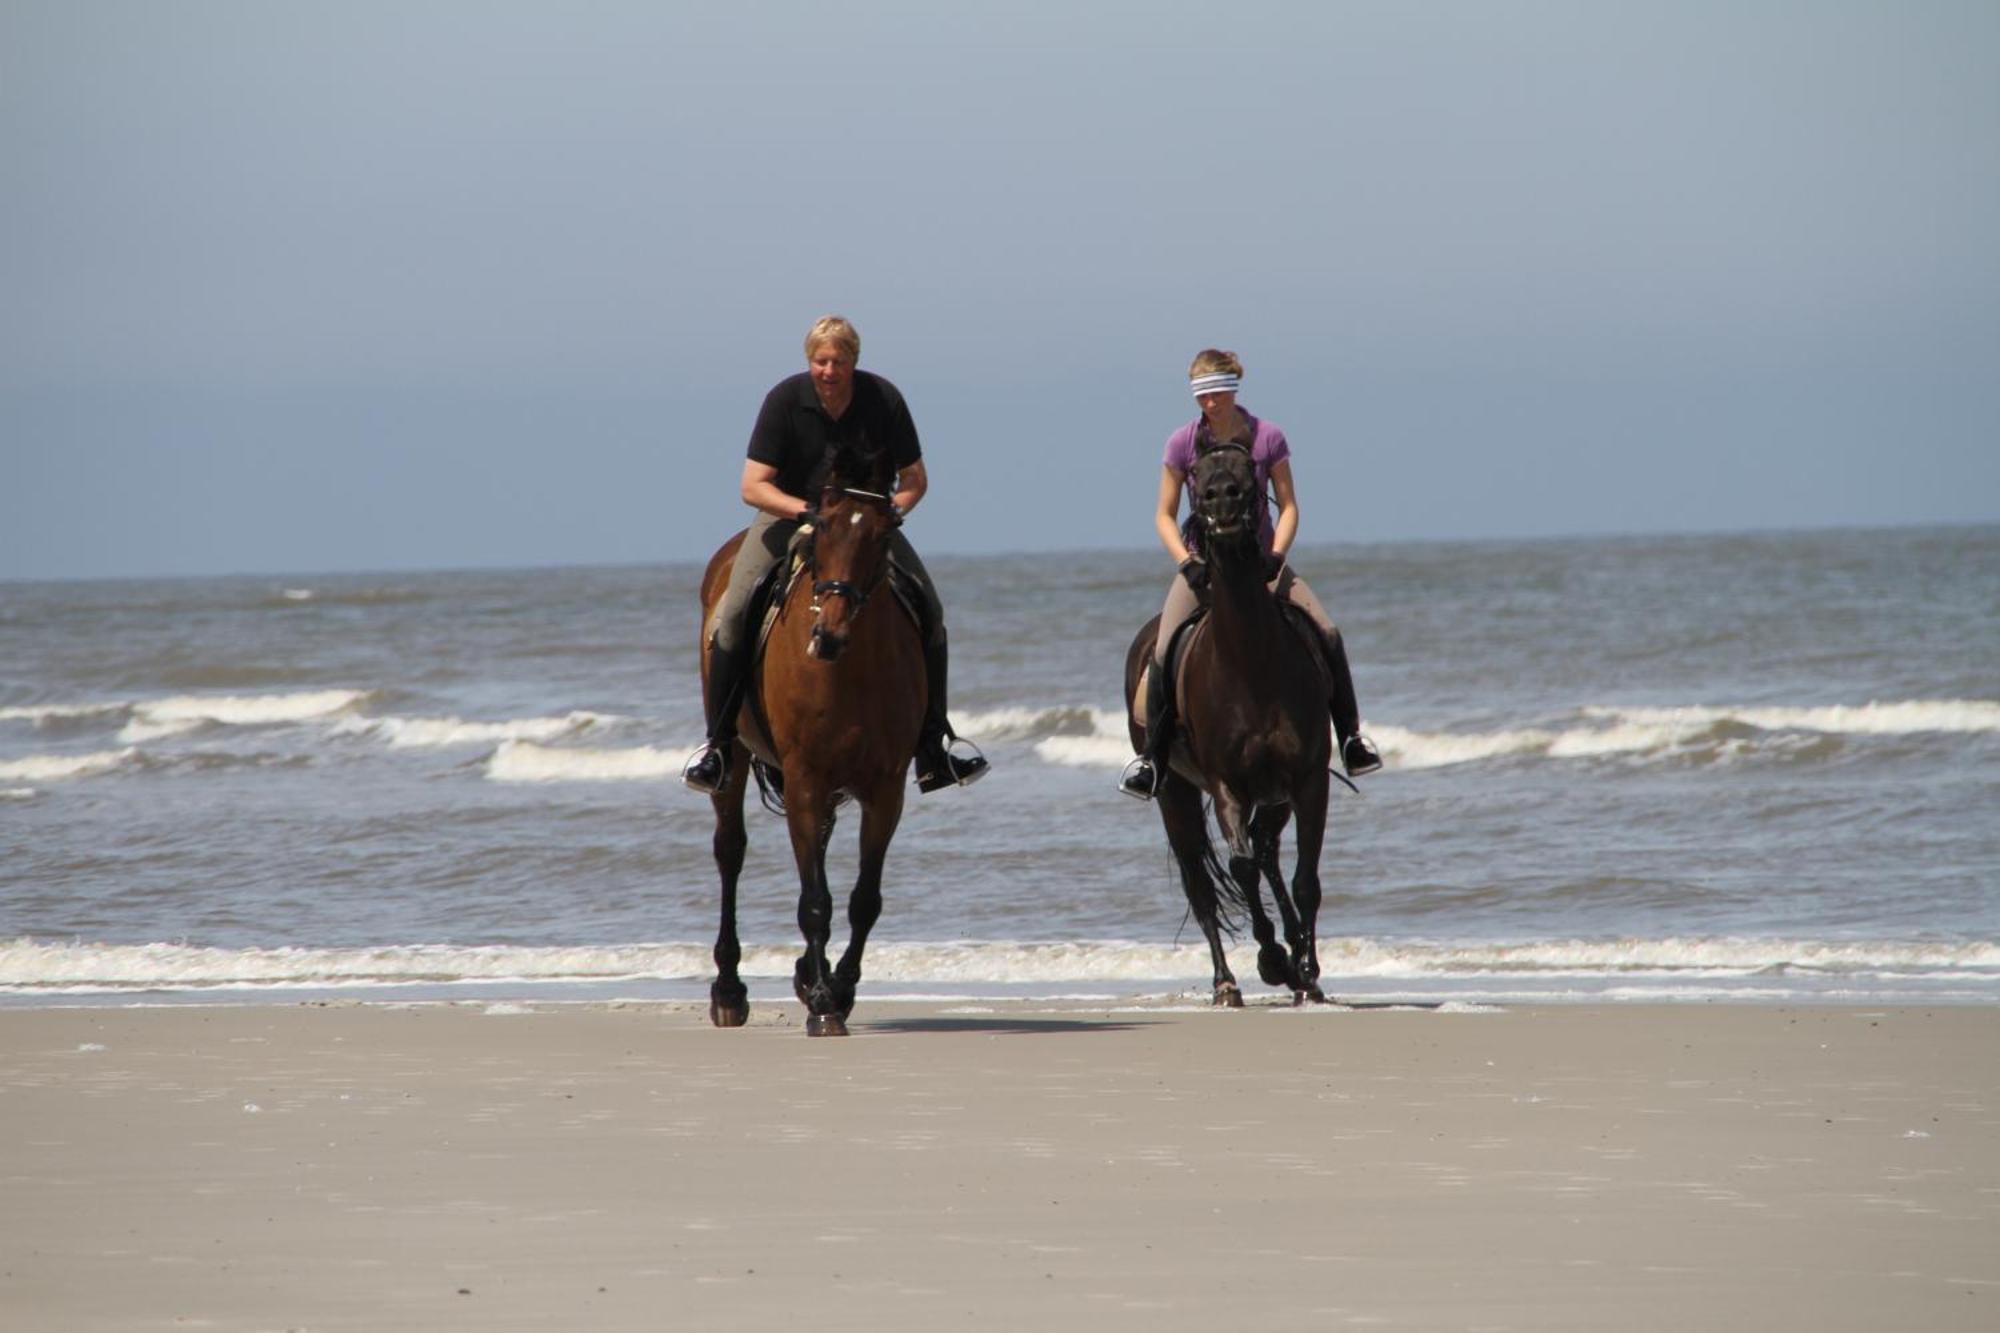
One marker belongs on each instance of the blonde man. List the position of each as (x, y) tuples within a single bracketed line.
[(804, 418)]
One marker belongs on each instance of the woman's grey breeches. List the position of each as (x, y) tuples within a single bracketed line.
[(1182, 602)]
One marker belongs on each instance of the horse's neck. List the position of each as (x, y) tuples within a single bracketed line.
[(1247, 621)]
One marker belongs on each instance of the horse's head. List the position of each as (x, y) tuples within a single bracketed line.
[(1224, 498), (850, 545)]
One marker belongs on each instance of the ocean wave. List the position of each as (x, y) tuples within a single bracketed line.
[(293, 598), (1088, 738), (440, 732), (527, 761), (1690, 734), (32, 966), (1904, 718), (67, 717), (1008, 724), (19, 793), (159, 719), (62, 767)]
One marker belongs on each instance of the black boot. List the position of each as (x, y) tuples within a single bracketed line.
[(1142, 775), (1357, 753), (937, 766), (708, 768)]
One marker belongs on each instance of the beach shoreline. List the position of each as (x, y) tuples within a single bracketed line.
[(624, 1165)]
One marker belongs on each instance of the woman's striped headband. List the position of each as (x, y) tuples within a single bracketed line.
[(1220, 381)]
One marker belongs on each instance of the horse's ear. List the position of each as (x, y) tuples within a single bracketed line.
[(857, 464)]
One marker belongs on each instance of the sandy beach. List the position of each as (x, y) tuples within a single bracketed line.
[(625, 1167)]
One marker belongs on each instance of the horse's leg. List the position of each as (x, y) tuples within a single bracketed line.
[(879, 817), (812, 979), (1274, 966), (1309, 805), (1187, 834), (1281, 968), (728, 998)]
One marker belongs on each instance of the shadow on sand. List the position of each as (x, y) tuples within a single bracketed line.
[(1015, 1027)]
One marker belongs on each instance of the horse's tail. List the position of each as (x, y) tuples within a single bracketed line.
[(1231, 904)]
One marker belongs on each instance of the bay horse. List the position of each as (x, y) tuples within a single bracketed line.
[(1254, 735), (835, 702)]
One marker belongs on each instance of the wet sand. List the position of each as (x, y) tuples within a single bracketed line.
[(1145, 1167)]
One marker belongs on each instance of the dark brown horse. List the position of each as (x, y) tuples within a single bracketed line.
[(835, 703), (1254, 735)]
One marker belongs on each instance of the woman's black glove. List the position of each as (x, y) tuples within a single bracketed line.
[(1195, 570), (1273, 562)]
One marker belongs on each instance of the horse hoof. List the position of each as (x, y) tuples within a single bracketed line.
[(729, 1015), (1228, 997), (825, 1025), (1310, 995)]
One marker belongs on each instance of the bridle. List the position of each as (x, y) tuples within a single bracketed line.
[(857, 597), (1208, 520)]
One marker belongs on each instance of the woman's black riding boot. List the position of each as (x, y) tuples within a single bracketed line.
[(728, 673), (1142, 775), (1357, 755), (937, 766)]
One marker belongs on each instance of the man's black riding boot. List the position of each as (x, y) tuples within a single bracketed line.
[(937, 766), (1142, 775), (1357, 754), (708, 769)]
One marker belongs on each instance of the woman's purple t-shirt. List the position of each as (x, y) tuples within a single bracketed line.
[(1267, 450)]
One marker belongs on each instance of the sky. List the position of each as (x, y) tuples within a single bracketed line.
[(301, 288)]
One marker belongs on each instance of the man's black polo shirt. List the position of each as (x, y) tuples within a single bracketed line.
[(795, 435)]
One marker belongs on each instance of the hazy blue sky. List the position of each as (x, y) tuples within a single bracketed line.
[(293, 288)]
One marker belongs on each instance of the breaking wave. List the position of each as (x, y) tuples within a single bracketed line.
[(527, 761), (62, 767), (439, 732), (29, 966)]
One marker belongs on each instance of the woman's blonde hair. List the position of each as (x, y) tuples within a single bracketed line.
[(1215, 361), (833, 329)]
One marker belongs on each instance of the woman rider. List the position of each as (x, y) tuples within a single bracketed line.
[(1215, 377), (803, 419)]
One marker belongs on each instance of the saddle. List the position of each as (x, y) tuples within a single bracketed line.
[(1177, 648), (768, 597)]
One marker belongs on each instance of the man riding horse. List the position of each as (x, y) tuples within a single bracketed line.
[(804, 419)]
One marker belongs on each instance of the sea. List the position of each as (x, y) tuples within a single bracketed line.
[(1756, 768)]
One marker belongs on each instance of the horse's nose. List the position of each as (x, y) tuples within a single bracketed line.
[(824, 645)]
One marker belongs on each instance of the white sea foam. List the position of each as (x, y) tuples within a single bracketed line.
[(154, 719), (54, 714), (439, 732), (1104, 744), (1024, 723), (1404, 748), (1907, 717), (18, 793), (527, 761), (1599, 731), (1644, 966), (59, 767)]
